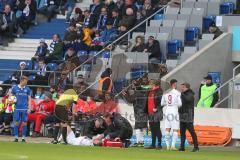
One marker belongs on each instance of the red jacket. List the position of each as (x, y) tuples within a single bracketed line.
[(46, 106), (151, 100), (107, 107)]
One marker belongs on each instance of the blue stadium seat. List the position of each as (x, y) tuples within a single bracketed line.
[(31, 77), (207, 21), (106, 54), (174, 46), (83, 55), (191, 34), (137, 71), (227, 8), (159, 17), (52, 66), (216, 77), (92, 54)]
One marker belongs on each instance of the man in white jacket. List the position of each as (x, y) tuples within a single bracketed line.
[(172, 101)]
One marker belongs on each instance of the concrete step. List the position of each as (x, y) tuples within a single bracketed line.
[(36, 41), (33, 49), (24, 45), (19, 55)]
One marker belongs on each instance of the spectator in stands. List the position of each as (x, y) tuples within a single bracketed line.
[(128, 4), (71, 34), (129, 19), (208, 97), (42, 73), (102, 19), (109, 34), (78, 16), (3, 28), (21, 72), (44, 109), (155, 113), (87, 36), (97, 43), (41, 52), (88, 21), (50, 8), (95, 127), (121, 31), (153, 47), (105, 83), (140, 45), (55, 49), (147, 8), (110, 6), (53, 91), (69, 6), (62, 83), (108, 105), (115, 18), (95, 9), (118, 128), (138, 98), (27, 13), (11, 22), (80, 82), (70, 54), (215, 30)]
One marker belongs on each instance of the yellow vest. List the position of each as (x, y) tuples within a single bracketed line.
[(205, 92)]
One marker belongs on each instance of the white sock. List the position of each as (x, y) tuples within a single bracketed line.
[(139, 135), (167, 139), (174, 138)]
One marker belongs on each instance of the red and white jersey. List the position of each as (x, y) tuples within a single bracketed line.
[(172, 100)]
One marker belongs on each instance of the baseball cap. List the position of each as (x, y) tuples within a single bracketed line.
[(42, 40), (22, 63), (208, 77)]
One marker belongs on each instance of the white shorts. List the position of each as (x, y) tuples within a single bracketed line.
[(79, 141), (172, 121)]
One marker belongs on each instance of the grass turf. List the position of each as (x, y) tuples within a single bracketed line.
[(30, 151)]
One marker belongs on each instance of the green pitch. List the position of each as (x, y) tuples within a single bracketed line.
[(30, 151)]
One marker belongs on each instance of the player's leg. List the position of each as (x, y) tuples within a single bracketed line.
[(7, 121), (190, 128), (153, 133), (24, 118), (175, 127), (16, 119), (64, 132), (159, 135), (38, 122), (183, 135), (2, 114), (167, 131)]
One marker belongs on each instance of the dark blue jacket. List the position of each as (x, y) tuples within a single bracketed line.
[(108, 35)]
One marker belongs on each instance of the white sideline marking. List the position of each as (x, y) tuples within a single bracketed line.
[(14, 156)]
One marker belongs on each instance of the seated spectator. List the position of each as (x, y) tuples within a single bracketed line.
[(122, 30), (27, 13), (41, 52), (80, 82), (153, 47), (110, 6), (55, 49), (42, 74), (108, 105), (78, 16), (62, 83), (147, 9), (6, 113), (88, 21), (128, 4), (50, 8), (105, 83), (95, 127), (11, 22), (95, 10), (215, 30), (71, 34), (87, 36), (71, 61), (118, 128), (3, 28), (140, 45), (109, 34), (97, 44), (53, 90), (129, 19), (39, 96), (115, 18), (102, 19), (70, 54), (44, 109)]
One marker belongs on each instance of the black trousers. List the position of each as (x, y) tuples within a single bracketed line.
[(6, 118), (184, 126), (156, 133)]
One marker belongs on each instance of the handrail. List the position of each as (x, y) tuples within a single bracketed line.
[(118, 39), (226, 83), (29, 70)]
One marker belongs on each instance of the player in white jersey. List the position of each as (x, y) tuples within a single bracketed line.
[(82, 140), (172, 101)]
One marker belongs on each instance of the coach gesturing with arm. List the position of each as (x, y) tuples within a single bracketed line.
[(186, 116)]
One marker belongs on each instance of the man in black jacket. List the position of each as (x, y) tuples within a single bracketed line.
[(95, 127), (118, 128), (153, 47), (186, 115)]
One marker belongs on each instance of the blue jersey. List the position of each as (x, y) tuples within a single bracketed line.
[(21, 96)]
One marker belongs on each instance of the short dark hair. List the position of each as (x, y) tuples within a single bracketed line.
[(187, 85), (173, 81)]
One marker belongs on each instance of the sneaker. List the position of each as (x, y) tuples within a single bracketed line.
[(64, 143), (150, 147), (181, 150), (174, 149), (168, 148), (23, 140), (15, 140), (195, 150), (127, 144), (54, 142)]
